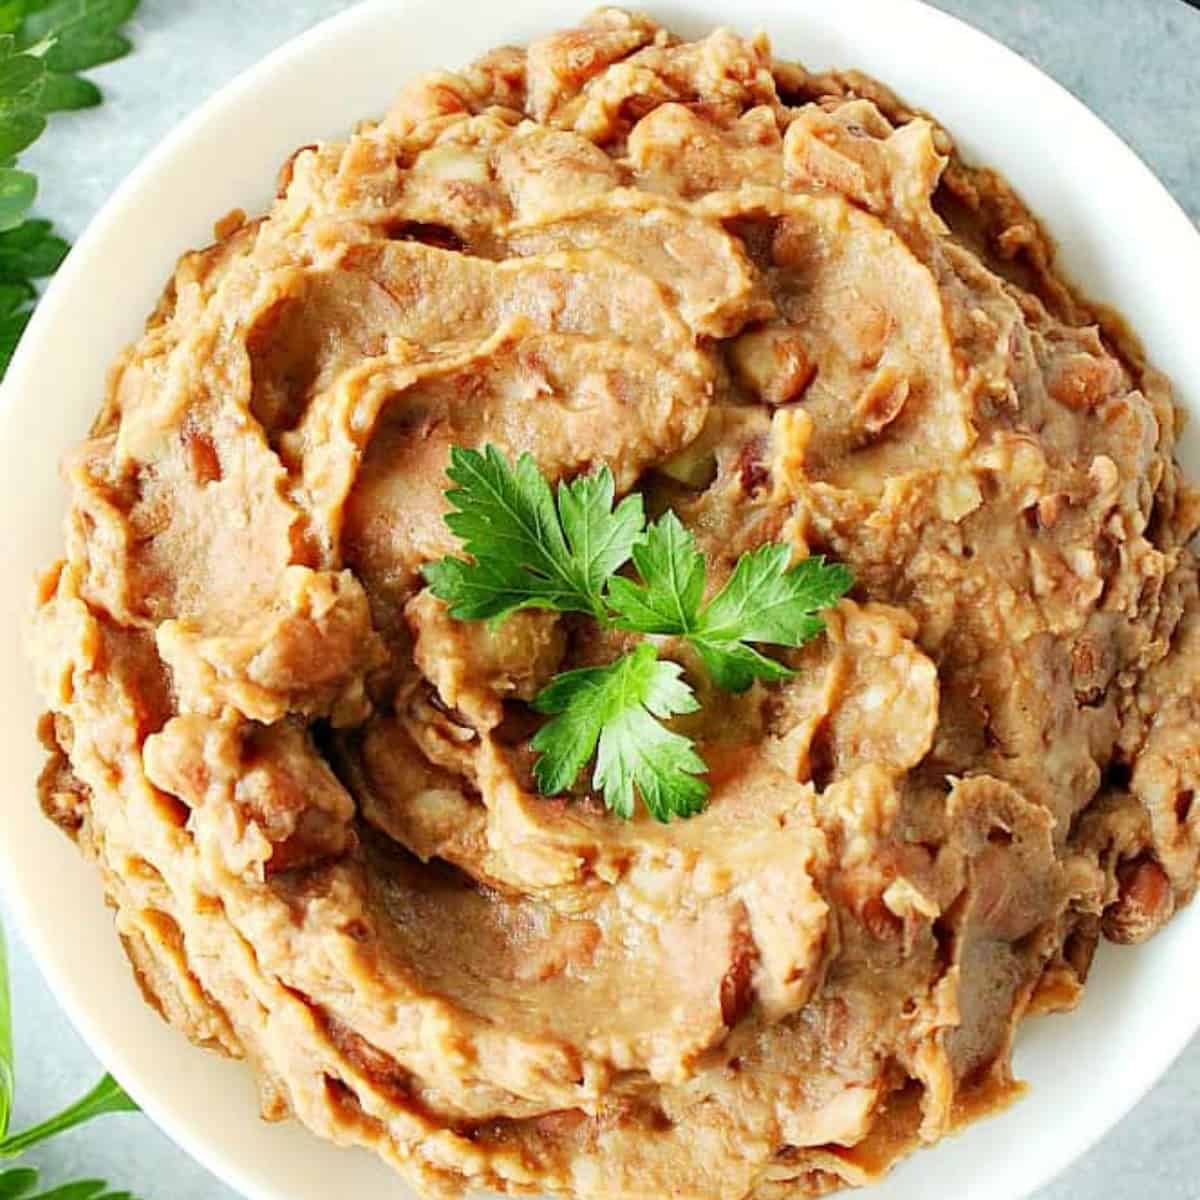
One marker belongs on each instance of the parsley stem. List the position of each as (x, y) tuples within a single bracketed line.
[(106, 1097)]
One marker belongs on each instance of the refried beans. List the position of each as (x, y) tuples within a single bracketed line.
[(779, 304)]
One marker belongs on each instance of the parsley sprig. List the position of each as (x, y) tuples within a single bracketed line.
[(532, 548), (43, 46), (106, 1097)]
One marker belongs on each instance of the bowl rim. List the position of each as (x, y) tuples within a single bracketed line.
[(50, 958)]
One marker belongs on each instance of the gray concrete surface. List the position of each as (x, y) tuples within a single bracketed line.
[(1135, 62)]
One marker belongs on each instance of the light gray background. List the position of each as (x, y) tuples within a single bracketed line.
[(1135, 62)]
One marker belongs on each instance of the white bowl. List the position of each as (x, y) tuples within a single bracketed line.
[(1122, 238)]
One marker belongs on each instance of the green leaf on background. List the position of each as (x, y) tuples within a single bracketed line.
[(12, 13), (19, 130), (65, 93), (30, 234), (80, 18), (42, 44), (19, 1181), (30, 251), (11, 329), (78, 52), (106, 1097), (18, 190), (13, 295), (85, 1189), (21, 79)]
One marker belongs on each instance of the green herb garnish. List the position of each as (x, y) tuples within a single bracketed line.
[(529, 551), (616, 706), (43, 44), (531, 548), (762, 601), (106, 1097)]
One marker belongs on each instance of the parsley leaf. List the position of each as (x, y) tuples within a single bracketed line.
[(667, 559), (610, 711), (530, 551), (762, 601), (765, 601)]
